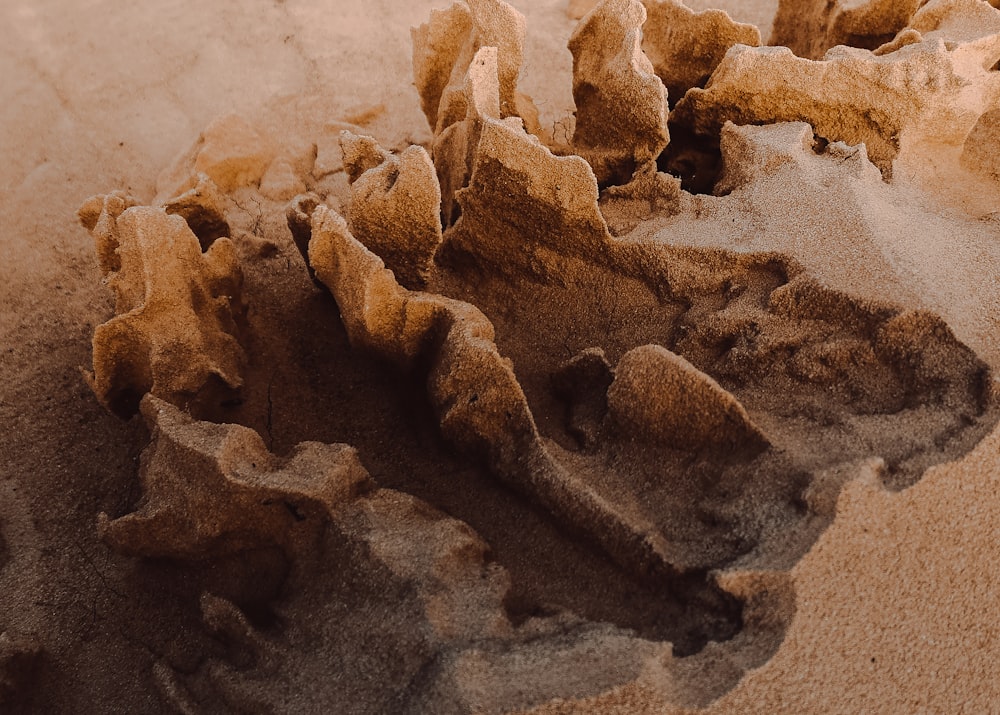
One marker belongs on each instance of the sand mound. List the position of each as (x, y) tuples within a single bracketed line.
[(491, 422)]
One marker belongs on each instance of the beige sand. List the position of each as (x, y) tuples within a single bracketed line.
[(718, 439)]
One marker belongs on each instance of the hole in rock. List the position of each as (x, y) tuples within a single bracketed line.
[(205, 222), (695, 160), (820, 144)]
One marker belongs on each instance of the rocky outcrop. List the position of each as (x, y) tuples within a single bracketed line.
[(444, 46), (659, 396), (621, 105), (395, 205), (812, 27), (685, 46), (913, 101), (176, 308)]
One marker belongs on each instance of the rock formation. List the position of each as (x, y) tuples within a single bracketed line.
[(922, 97), (685, 46), (811, 28), (176, 308), (215, 489), (395, 205), (660, 397), (621, 105), (682, 418), (444, 47), (202, 208)]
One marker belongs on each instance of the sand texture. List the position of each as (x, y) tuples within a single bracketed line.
[(629, 356)]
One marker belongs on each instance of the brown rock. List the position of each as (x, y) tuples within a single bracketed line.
[(685, 46), (660, 397), (444, 47), (811, 27), (203, 207), (549, 203), (176, 308), (395, 206), (918, 99), (621, 105), (213, 489)]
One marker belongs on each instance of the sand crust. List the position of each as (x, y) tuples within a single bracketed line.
[(529, 386)]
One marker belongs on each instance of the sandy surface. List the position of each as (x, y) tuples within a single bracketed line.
[(876, 593)]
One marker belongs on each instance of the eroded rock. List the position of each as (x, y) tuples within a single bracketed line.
[(812, 27), (203, 207), (548, 202), (621, 105), (917, 100), (214, 489), (176, 308), (473, 389), (660, 397), (444, 47), (395, 205), (685, 46)]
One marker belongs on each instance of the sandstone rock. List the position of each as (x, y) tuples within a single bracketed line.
[(812, 27), (395, 206), (685, 46), (480, 406), (214, 489), (660, 397), (621, 105), (298, 215), (917, 99), (454, 148), (203, 207), (750, 152), (444, 47), (549, 203), (174, 332)]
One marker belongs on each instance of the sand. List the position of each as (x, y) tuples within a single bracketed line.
[(336, 387)]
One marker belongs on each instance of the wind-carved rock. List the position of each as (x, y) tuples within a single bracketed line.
[(811, 27), (202, 206), (659, 396), (455, 147), (549, 202), (480, 405), (920, 99), (685, 46), (176, 308), (621, 105), (212, 490), (395, 205), (444, 46)]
